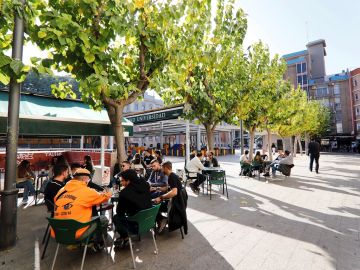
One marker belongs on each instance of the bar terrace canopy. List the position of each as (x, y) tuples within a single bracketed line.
[(41, 115)]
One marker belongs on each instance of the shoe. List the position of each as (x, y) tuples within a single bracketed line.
[(193, 188), (317, 171), (266, 174), (162, 225), (121, 243), (24, 202)]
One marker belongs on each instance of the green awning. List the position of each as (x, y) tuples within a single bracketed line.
[(50, 116)]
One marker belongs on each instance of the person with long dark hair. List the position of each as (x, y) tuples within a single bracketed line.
[(89, 165), (25, 178)]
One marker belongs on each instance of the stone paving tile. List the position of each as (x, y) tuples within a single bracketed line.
[(307, 221)]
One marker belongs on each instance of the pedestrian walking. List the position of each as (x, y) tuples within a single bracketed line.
[(314, 153)]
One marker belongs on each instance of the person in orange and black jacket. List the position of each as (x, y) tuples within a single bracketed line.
[(75, 201)]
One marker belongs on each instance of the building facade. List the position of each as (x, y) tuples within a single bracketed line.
[(355, 95), (306, 69)]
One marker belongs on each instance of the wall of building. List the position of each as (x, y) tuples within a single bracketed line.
[(355, 87)]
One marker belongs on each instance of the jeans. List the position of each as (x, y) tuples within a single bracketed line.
[(316, 158), (274, 167), (28, 189)]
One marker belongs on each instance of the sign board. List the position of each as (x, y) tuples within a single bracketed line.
[(160, 115)]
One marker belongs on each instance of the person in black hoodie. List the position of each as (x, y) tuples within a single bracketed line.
[(133, 198)]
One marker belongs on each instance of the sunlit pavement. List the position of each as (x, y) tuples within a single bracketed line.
[(306, 221)]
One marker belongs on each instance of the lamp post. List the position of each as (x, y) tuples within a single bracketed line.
[(8, 218)]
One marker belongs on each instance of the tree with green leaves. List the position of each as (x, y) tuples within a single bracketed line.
[(114, 49), (303, 118), (207, 68), (261, 90), (13, 68)]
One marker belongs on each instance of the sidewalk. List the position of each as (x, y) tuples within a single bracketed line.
[(308, 221)]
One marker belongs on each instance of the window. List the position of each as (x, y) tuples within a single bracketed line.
[(337, 89), (356, 97), (337, 104), (357, 111), (358, 126), (151, 107), (338, 117), (354, 82), (339, 128), (304, 79), (303, 67), (298, 68), (322, 91), (299, 79)]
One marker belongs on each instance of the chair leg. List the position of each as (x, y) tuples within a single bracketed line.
[(210, 191), (46, 244), (227, 194), (83, 258), (182, 233), (56, 253), (153, 236), (45, 234), (132, 252)]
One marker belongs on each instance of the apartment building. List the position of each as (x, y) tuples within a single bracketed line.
[(355, 94), (306, 69)]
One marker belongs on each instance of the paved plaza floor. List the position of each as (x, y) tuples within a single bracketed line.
[(307, 221)]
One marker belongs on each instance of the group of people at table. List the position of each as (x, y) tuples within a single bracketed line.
[(283, 163), (71, 194)]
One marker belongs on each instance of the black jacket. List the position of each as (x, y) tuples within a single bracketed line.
[(314, 148), (177, 211), (134, 198)]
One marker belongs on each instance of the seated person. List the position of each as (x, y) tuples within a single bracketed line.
[(133, 198), (195, 167), (178, 202), (258, 162), (211, 161), (125, 165), (157, 180), (25, 179), (75, 201), (285, 159), (138, 165), (158, 156), (129, 156), (61, 172), (245, 164), (147, 158)]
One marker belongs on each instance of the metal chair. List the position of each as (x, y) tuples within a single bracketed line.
[(188, 177), (146, 222), (65, 231), (217, 178)]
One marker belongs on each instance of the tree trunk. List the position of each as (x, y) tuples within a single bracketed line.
[(210, 137), (269, 144), (295, 146), (306, 143), (115, 115), (251, 142), (300, 145)]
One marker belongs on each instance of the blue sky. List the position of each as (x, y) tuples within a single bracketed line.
[(282, 25)]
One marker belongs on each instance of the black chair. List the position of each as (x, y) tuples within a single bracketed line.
[(46, 237), (41, 180), (188, 177)]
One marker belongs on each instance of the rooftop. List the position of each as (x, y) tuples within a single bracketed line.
[(295, 54)]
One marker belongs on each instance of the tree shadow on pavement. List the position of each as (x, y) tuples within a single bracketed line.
[(324, 230), (194, 252)]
